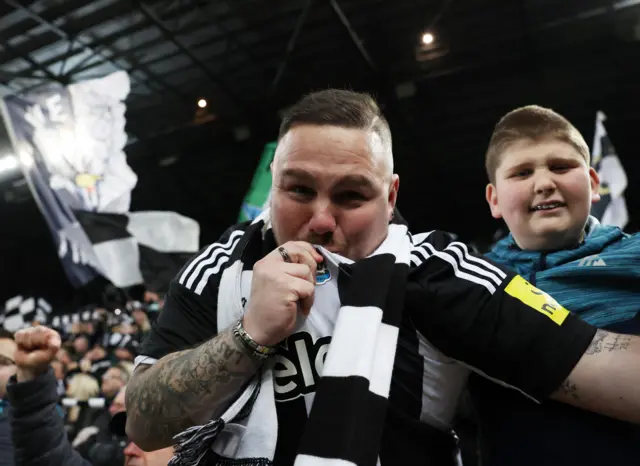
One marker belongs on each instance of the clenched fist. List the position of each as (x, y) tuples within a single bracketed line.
[(37, 347), (282, 284)]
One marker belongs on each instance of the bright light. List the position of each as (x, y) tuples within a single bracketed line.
[(202, 103), (118, 312), (8, 163), (427, 38)]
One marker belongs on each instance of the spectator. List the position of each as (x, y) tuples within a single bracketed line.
[(7, 369), (38, 433)]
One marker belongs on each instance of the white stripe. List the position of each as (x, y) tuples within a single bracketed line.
[(416, 253), (385, 353), (215, 269), (473, 268), (477, 260), (458, 273), (308, 460), (420, 238), (204, 256), (144, 360), (350, 356)]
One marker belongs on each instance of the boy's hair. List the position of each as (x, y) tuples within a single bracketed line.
[(535, 124)]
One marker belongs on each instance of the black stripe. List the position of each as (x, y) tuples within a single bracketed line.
[(331, 434), (372, 278)]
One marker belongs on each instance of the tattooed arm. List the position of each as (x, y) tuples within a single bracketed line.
[(185, 389), (607, 378)]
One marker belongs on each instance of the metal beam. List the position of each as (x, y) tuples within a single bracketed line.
[(86, 46), (290, 46), (214, 78), (354, 37)]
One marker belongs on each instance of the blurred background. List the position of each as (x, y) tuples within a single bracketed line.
[(208, 81)]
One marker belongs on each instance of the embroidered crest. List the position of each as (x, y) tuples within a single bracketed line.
[(323, 274)]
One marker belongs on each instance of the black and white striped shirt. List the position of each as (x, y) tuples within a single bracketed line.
[(479, 317)]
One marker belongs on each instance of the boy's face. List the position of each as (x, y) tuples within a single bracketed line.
[(543, 191)]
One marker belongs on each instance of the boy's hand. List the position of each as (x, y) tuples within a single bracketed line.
[(37, 347)]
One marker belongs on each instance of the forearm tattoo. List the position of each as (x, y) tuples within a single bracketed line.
[(569, 388), (605, 341), (166, 398)]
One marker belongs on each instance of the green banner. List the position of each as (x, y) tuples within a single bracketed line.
[(258, 194)]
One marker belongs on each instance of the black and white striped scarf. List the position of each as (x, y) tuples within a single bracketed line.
[(347, 417)]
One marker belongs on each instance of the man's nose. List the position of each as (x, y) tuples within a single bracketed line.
[(323, 220)]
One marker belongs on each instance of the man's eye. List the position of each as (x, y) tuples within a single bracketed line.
[(351, 196), (301, 190)]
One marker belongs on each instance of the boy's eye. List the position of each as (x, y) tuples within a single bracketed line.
[(560, 168), (522, 173)]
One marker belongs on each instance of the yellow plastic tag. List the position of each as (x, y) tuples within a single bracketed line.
[(521, 289)]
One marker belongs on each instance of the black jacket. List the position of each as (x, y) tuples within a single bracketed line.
[(38, 431), (6, 444)]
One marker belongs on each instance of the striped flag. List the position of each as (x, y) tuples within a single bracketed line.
[(612, 208)]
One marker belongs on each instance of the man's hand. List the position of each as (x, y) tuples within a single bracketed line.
[(37, 347), (278, 289)]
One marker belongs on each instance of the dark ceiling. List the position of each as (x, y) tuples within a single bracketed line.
[(250, 59)]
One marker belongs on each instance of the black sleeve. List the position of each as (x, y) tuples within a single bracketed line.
[(189, 315), (492, 319), (39, 437)]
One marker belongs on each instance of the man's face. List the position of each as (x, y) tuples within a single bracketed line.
[(544, 191), (112, 381), (332, 187), (118, 404), (7, 365), (81, 344), (134, 456)]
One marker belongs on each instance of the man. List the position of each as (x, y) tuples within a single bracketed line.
[(334, 187), (38, 431), (7, 369)]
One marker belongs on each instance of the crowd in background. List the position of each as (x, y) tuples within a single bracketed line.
[(92, 368)]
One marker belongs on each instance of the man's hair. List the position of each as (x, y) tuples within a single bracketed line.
[(338, 107), (535, 124), (6, 334)]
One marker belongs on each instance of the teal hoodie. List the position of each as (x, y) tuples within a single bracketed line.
[(598, 280)]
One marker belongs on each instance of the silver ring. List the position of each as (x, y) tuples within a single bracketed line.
[(285, 255)]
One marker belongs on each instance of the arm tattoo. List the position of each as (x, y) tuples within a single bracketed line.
[(605, 341), (182, 388), (570, 389)]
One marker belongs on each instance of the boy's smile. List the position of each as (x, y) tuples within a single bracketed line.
[(543, 191)]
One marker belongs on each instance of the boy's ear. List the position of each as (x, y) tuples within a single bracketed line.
[(594, 179), (492, 199)]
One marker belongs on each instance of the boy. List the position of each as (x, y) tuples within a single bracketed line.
[(542, 185)]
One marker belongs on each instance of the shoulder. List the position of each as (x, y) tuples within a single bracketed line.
[(208, 263), (438, 256)]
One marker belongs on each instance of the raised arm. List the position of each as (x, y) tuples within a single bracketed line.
[(186, 388), (607, 377), (189, 387)]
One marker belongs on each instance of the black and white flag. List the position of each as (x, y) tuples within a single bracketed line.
[(612, 207), (69, 143), (141, 247), (21, 311)]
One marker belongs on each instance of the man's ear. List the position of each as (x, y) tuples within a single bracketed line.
[(594, 180), (491, 194), (393, 194)]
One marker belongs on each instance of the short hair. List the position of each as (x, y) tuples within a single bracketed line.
[(533, 123), (339, 107)]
